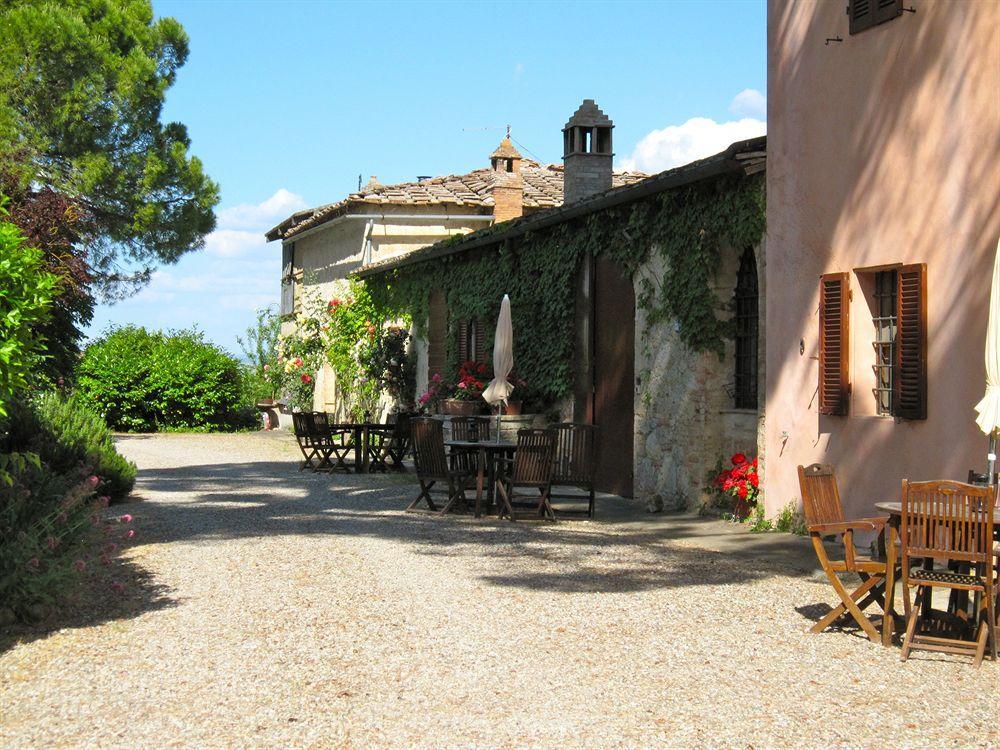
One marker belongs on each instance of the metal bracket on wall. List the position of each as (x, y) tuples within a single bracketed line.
[(832, 39)]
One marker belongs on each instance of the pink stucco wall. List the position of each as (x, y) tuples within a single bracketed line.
[(882, 149)]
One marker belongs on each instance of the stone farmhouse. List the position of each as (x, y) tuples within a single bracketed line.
[(666, 413), (323, 245)]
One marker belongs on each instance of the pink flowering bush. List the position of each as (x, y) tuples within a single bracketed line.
[(50, 526)]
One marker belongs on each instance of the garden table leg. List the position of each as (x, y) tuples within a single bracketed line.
[(889, 610), (480, 476)]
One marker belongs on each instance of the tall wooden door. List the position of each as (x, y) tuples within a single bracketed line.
[(614, 376)]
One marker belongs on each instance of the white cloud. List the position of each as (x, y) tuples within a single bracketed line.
[(749, 103), (241, 228), (518, 70), (697, 138), (261, 215)]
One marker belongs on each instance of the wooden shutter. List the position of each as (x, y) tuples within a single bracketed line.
[(437, 332), (864, 14), (834, 324), (910, 387), (463, 341), (481, 354)]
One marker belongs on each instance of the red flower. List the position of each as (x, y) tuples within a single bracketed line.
[(752, 479), (742, 492), (306, 378), (738, 458)]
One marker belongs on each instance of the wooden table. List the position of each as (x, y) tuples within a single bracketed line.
[(359, 431), (487, 450), (894, 510)]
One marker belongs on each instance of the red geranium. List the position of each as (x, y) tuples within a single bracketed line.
[(742, 483)]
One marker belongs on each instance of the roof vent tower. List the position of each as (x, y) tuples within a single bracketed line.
[(587, 153)]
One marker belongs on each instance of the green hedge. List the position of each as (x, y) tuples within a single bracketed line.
[(68, 436), (143, 381)]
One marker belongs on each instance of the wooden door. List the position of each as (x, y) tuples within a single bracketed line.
[(614, 376)]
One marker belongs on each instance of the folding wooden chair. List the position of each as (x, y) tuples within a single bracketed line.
[(953, 522), (573, 465), (825, 517), (432, 466), (313, 440), (390, 442), (531, 468)]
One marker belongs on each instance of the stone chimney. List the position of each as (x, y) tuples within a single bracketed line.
[(508, 185), (587, 153)]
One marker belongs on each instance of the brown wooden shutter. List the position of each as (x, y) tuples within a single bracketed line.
[(437, 331), (834, 324), (481, 354), (463, 341), (863, 14), (910, 388)]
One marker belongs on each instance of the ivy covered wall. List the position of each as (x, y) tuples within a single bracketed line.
[(686, 226)]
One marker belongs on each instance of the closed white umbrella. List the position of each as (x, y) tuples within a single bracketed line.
[(499, 389), (989, 407)]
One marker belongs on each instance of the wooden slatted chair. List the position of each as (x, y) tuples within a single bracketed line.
[(531, 468), (949, 521), (468, 428), (573, 465), (389, 443), (312, 433), (825, 517), (432, 466)]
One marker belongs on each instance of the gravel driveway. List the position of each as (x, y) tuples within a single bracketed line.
[(268, 608)]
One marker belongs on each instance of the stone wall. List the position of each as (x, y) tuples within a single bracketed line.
[(684, 416)]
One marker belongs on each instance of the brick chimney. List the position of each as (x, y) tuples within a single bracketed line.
[(587, 153), (508, 185)]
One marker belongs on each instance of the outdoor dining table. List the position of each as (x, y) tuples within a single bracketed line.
[(360, 436), (487, 451), (894, 509)]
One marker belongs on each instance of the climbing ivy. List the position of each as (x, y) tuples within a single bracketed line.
[(686, 227)]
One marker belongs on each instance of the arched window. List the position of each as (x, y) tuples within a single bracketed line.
[(746, 332)]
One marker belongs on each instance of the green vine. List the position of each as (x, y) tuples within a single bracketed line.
[(686, 227)]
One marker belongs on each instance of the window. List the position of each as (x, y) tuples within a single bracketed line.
[(746, 332), (885, 340), (287, 305), (898, 303), (471, 341), (864, 14)]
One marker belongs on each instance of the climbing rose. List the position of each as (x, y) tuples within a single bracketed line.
[(94, 481), (51, 542), (130, 533), (126, 518), (80, 565), (738, 458), (306, 377), (34, 563)]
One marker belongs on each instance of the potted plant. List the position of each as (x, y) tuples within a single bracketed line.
[(466, 398)]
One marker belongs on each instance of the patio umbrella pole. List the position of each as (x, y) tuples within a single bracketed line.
[(991, 459)]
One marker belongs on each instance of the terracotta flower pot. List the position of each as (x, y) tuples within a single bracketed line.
[(513, 408), (461, 408)]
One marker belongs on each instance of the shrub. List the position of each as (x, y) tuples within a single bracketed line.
[(46, 523), (66, 435), (26, 290), (143, 381)]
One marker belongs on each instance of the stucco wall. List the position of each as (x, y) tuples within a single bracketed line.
[(684, 415), (882, 149)]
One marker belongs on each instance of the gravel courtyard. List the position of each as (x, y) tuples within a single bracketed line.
[(269, 608)]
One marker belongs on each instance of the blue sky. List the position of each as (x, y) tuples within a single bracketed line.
[(287, 103)]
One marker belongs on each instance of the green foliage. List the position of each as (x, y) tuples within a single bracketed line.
[(66, 435), (262, 379), (46, 526), (758, 522), (791, 521), (685, 227), (141, 380), (82, 86), (26, 290)]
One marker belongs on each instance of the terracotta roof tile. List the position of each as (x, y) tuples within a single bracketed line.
[(543, 188)]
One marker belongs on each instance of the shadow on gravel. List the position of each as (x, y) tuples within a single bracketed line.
[(257, 499), (95, 603)]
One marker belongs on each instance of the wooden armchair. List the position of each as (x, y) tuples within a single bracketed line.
[(953, 522), (390, 442), (573, 465), (432, 466), (825, 517), (531, 468)]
